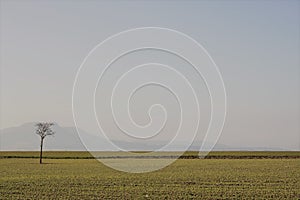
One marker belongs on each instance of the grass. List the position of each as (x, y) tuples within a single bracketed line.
[(185, 179)]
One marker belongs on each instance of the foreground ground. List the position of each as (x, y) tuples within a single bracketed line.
[(24, 178)]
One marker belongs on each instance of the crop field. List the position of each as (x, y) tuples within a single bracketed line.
[(226, 175)]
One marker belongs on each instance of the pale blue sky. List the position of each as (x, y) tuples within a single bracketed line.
[(256, 45)]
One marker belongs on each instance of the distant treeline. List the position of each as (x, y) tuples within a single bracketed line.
[(160, 155)]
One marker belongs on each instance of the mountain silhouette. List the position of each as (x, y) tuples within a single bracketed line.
[(23, 138)]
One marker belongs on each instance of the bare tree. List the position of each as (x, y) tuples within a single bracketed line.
[(43, 129)]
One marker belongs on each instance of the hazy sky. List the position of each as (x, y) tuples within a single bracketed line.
[(256, 45)]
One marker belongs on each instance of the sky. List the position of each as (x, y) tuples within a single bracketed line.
[(255, 44)]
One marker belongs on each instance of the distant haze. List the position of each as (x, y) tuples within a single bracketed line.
[(23, 138), (256, 45)]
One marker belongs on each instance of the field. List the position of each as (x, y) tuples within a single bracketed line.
[(226, 175)]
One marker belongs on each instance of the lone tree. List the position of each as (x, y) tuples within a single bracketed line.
[(43, 129)]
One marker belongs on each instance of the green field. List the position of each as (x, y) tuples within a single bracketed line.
[(231, 178), (186, 155)]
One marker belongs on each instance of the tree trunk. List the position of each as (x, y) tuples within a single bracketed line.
[(41, 152)]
